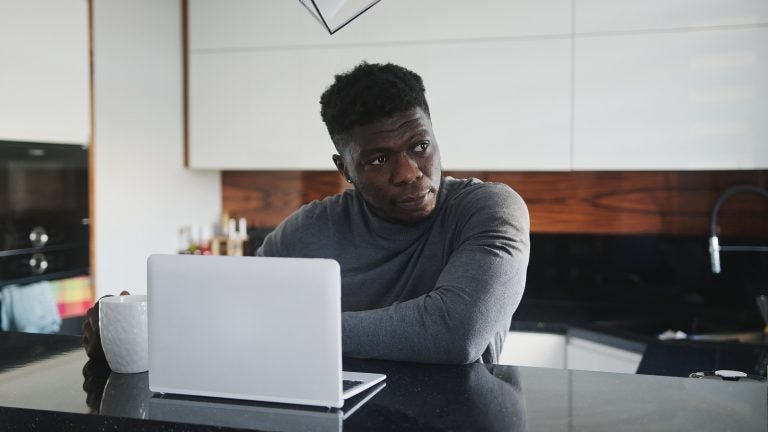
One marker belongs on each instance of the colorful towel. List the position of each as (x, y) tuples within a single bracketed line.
[(73, 296)]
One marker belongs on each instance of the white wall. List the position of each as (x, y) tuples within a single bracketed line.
[(142, 192)]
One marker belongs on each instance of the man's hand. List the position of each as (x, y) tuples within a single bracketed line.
[(92, 334)]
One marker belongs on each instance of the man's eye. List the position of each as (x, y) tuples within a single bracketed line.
[(378, 161), (421, 147)]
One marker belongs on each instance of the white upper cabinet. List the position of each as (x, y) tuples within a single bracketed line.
[(250, 24), (685, 100), (600, 16), (261, 109), (44, 78), (497, 75), (513, 85)]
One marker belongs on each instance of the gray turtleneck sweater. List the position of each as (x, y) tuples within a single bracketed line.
[(439, 291)]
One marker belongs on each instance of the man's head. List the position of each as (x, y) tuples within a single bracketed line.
[(378, 119)]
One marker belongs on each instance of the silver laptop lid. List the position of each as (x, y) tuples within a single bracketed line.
[(255, 328)]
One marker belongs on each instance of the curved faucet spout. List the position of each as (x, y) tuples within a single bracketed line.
[(714, 243)]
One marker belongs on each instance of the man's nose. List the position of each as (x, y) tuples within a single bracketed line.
[(405, 170)]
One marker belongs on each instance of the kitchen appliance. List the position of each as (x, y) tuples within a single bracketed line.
[(44, 225)]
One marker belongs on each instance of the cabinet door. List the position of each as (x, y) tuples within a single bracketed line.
[(592, 16), (44, 78), (671, 100), (533, 349), (582, 354), (498, 86)]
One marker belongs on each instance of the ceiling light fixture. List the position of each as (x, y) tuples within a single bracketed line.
[(335, 14)]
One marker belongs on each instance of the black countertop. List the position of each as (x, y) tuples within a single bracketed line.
[(635, 328), (47, 383)]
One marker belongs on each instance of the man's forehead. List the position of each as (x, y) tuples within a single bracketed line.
[(398, 126)]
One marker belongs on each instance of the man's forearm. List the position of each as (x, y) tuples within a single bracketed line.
[(453, 324)]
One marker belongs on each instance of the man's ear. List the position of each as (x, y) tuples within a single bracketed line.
[(339, 162)]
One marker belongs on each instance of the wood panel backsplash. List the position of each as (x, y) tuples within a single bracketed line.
[(656, 202)]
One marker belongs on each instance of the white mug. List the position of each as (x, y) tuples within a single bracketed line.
[(123, 327)]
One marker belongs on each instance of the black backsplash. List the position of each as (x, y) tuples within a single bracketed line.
[(640, 271), (647, 270)]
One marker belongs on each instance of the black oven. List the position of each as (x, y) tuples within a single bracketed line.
[(44, 225)]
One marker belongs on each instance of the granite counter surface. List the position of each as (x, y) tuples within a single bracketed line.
[(635, 329), (47, 383)]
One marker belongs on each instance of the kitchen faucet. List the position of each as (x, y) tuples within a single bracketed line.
[(714, 243), (715, 248)]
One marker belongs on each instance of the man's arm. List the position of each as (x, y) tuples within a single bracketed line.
[(475, 295)]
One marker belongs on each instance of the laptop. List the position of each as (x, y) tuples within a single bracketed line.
[(253, 328)]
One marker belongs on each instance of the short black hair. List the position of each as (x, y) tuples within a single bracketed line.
[(368, 93)]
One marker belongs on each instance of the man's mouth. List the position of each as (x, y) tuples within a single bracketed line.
[(414, 201)]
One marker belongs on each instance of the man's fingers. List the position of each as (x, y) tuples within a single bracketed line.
[(93, 313), (91, 337), (92, 320)]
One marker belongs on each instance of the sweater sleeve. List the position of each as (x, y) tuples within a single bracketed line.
[(470, 308)]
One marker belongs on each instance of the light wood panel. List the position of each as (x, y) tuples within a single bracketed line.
[(265, 198), (664, 203)]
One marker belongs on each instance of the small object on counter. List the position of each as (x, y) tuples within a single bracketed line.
[(231, 239), (242, 228), (727, 375), (234, 247), (219, 245), (672, 335), (185, 240), (194, 247), (232, 228), (206, 235), (242, 232), (222, 231), (234, 242), (196, 240)]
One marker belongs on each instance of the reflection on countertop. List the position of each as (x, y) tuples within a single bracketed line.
[(47, 382)]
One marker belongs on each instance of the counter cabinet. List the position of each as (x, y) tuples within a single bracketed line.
[(568, 351)]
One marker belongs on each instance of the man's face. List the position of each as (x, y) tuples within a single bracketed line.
[(395, 164)]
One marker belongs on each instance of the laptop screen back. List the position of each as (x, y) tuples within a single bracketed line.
[(266, 329)]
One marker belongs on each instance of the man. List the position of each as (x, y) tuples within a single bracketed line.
[(432, 267)]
